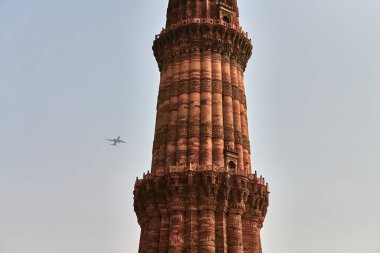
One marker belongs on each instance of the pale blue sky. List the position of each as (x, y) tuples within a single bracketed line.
[(75, 72)]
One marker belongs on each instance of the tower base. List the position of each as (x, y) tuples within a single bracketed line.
[(205, 211)]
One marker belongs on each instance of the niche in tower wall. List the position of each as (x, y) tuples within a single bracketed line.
[(231, 159)]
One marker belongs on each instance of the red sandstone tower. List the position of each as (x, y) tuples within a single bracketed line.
[(200, 195)]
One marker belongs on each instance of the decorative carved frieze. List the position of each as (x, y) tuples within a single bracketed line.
[(229, 134), (169, 46), (243, 99), (206, 130), (249, 226), (227, 89), (245, 142), (195, 86), (164, 94), (217, 131), (235, 93), (238, 137), (233, 57), (206, 85), (244, 198), (227, 49), (194, 129), (217, 86)]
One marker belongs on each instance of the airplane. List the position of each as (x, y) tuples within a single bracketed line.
[(116, 141)]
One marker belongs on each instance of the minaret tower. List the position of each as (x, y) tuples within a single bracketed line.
[(200, 195)]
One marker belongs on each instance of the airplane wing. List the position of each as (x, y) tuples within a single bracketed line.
[(123, 141), (109, 140)]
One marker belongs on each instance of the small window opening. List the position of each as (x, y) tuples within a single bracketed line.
[(232, 166), (226, 19)]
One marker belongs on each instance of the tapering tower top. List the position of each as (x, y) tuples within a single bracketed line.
[(178, 10)]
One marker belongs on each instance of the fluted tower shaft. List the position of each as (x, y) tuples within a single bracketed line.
[(200, 194), (202, 111)]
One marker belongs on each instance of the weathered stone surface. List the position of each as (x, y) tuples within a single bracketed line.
[(201, 195), (205, 210)]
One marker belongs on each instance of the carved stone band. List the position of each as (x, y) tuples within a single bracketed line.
[(217, 86), (194, 130), (238, 137), (206, 130), (217, 131), (245, 142), (243, 99), (206, 85), (195, 86), (227, 89), (229, 134), (235, 44), (164, 94), (235, 92), (160, 138)]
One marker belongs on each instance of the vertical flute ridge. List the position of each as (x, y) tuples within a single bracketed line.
[(228, 114), (171, 147), (194, 106), (236, 113), (217, 110), (183, 108), (206, 109), (244, 122), (158, 125)]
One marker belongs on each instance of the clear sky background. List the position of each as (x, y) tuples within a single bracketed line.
[(75, 72)]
